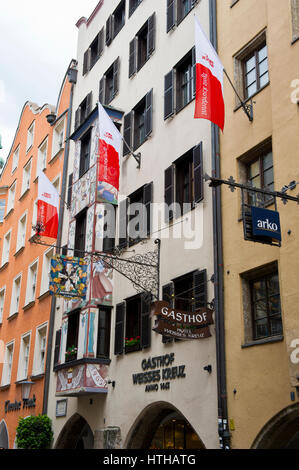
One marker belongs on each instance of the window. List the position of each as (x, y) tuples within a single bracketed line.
[(138, 124), (80, 235), (135, 216), (2, 209), (11, 197), (24, 357), (31, 283), (109, 228), (295, 19), (176, 11), (133, 325), (94, 52), (109, 83), (142, 46), (48, 255), (184, 184), (15, 298), (58, 138), (15, 159), (133, 4), (83, 110), (30, 136), (21, 232), (42, 156), (2, 299), (34, 218), (70, 190), (40, 350), (26, 177), (261, 303), (72, 336), (7, 366), (103, 342), (179, 85), (6, 248), (56, 183), (85, 153)]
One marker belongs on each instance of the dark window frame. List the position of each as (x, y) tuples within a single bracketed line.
[(85, 153), (72, 338), (254, 54), (103, 349), (80, 234), (119, 18)]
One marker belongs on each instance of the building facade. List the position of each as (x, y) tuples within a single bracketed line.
[(118, 383), (259, 52), (25, 302)]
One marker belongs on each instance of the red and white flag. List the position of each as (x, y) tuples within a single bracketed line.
[(209, 103), (47, 207), (109, 153)]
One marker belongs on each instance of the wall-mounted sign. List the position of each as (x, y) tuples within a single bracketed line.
[(180, 324), (158, 372), (61, 408), (17, 405), (265, 223)]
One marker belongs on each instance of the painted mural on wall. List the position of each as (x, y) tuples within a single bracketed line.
[(84, 191), (82, 379), (102, 283), (68, 277)]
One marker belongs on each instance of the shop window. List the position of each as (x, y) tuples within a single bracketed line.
[(104, 323), (72, 336), (175, 433)]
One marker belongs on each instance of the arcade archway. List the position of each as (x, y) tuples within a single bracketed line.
[(281, 432), (162, 426), (76, 434)]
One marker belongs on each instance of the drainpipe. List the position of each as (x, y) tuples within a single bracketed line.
[(59, 238), (223, 431)]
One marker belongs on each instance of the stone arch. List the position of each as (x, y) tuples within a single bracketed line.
[(76, 434), (146, 424), (281, 431), (4, 440)]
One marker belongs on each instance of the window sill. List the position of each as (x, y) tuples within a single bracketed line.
[(177, 111), (44, 295), (4, 387), (272, 339), (24, 194), (239, 106), (29, 305), (135, 347), (37, 376), (20, 381), (8, 213), (54, 158), (13, 316), (295, 39), (3, 266), (19, 251)]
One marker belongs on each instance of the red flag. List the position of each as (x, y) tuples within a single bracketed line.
[(47, 207), (209, 103)]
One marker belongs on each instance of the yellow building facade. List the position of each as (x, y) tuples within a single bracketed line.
[(258, 45)]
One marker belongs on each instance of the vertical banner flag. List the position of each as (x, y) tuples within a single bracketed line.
[(47, 207), (209, 102), (109, 152)]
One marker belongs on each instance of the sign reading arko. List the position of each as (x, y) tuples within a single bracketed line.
[(181, 324), (265, 223)]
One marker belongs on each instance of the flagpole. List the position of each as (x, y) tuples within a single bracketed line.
[(137, 157), (248, 109)]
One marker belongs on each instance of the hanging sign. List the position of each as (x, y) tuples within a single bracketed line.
[(265, 223), (68, 277), (173, 330)]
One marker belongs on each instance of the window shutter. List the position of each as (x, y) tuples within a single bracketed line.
[(200, 289), (169, 192), (167, 293), (77, 118), (57, 347), (198, 174), (119, 328), (109, 30), (70, 188), (170, 15), (132, 57), (85, 62), (194, 72), (127, 134), (123, 223), (101, 42), (88, 104), (149, 113), (151, 24), (102, 91), (145, 341), (115, 76), (169, 94), (147, 201)]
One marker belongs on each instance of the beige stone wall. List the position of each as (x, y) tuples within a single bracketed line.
[(259, 374)]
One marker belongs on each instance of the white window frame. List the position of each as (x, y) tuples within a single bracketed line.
[(39, 358), (7, 366), (34, 217), (44, 287), (42, 156), (56, 183), (6, 248), (26, 176), (22, 228), (58, 137), (11, 197), (15, 159), (23, 364), (30, 136), (30, 295), (14, 306), (2, 302)]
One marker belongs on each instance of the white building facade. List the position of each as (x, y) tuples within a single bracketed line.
[(116, 382)]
